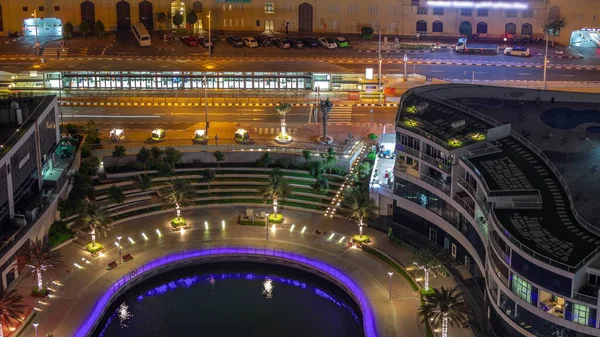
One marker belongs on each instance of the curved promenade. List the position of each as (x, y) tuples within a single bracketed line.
[(82, 287)]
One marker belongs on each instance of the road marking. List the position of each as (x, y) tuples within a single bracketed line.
[(436, 71), (568, 75), (107, 116), (523, 74)]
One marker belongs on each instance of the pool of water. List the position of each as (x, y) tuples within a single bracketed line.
[(567, 118), (593, 129), (233, 299)]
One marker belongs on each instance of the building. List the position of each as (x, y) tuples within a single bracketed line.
[(34, 167), (470, 177), (397, 18)]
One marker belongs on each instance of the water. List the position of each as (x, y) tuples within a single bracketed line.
[(233, 299), (567, 118)]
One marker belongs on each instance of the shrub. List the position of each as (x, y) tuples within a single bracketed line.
[(367, 33), (59, 233), (86, 150), (283, 163), (178, 222), (68, 29), (371, 157), (94, 247), (338, 171)]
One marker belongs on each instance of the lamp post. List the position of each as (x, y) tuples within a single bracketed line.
[(206, 101), (119, 244), (379, 66), (209, 40), (390, 274), (35, 326), (405, 62), (545, 61), (37, 42), (267, 225)]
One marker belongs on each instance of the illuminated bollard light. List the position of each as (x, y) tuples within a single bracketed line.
[(144, 235), (223, 224), (131, 240), (78, 266), (206, 225), (158, 232), (292, 228), (303, 229), (331, 236), (181, 230), (342, 239)]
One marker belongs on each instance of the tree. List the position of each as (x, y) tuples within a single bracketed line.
[(428, 261), (275, 189), (119, 152), (554, 26), (465, 28), (39, 256), (329, 159), (316, 169), (172, 156), (68, 29), (92, 136), (219, 157), (373, 137), (191, 18), (156, 154), (367, 33), (307, 154), (321, 185), (100, 29), (209, 177), (82, 187), (11, 309), (364, 169), (144, 157), (144, 183), (96, 217), (265, 160), (442, 307), (177, 193), (84, 27), (325, 107), (177, 19), (89, 166), (116, 195), (360, 206), (283, 109), (161, 18)]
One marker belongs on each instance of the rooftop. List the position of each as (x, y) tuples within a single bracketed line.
[(449, 127)]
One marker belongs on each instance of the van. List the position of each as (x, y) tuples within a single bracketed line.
[(141, 35)]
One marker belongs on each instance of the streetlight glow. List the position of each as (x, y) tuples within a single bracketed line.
[(206, 225), (144, 235), (292, 228)]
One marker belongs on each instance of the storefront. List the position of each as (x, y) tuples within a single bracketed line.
[(45, 27)]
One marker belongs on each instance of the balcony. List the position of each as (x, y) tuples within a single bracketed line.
[(434, 162), (588, 294)]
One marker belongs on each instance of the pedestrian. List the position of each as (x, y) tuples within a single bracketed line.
[(216, 139), (287, 28), (58, 54)]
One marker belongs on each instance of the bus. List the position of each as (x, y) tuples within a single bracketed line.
[(141, 34)]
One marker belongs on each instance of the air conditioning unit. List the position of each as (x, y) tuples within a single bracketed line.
[(458, 124)]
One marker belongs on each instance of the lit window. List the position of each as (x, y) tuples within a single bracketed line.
[(581, 314), (269, 8), (521, 288)]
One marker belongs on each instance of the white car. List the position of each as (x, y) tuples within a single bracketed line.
[(327, 43), (517, 51), (250, 42)]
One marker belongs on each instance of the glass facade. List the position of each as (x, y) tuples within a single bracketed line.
[(522, 288)]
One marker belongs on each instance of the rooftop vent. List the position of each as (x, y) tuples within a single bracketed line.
[(458, 124)]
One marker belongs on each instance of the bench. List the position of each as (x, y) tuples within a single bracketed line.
[(127, 257), (112, 265)]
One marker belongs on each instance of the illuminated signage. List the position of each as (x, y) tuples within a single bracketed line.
[(369, 73), (477, 4)]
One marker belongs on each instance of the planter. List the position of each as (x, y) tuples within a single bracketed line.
[(283, 140), (93, 247), (177, 223), (327, 141)]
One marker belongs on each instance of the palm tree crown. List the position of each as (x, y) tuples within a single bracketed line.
[(443, 306), (177, 192), (38, 256), (359, 204), (276, 188), (95, 215), (11, 309)]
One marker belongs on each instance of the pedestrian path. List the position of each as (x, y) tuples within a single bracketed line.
[(274, 131), (340, 115), (52, 52)]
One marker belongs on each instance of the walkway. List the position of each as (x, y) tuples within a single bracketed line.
[(82, 287)]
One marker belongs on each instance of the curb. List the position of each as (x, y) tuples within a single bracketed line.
[(67, 103)]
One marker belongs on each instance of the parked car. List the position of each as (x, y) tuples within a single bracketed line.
[(189, 41), (204, 42), (341, 42), (517, 51), (235, 41), (263, 40), (281, 43), (297, 43), (327, 43), (310, 42), (250, 42)]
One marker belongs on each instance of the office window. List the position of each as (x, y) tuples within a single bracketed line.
[(510, 13), (438, 11), (56, 8), (25, 9), (422, 10), (527, 13), (466, 12), (521, 288), (269, 8), (41, 8), (581, 313), (415, 2), (482, 12)]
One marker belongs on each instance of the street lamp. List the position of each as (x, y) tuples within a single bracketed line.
[(119, 244), (379, 84), (35, 326), (545, 61), (405, 62), (390, 273), (37, 42), (209, 40), (205, 80), (267, 225)]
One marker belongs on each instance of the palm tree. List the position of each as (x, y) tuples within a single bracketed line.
[(429, 263), (360, 206), (95, 216), (442, 307), (219, 157), (38, 256), (325, 107), (275, 189), (177, 193), (11, 309), (283, 109), (144, 183), (553, 28)]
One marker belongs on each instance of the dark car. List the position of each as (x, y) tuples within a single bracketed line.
[(263, 40), (297, 43), (189, 41), (310, 42), (203, 42), (235, 41), (282, 43)]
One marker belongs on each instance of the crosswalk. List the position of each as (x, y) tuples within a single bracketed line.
[(340, 115), (51, 52), (82, 51), (274, 131)]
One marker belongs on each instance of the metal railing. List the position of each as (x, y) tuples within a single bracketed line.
[(499, 250), (478, 197), (442, 187), (424, 134), (497, 271), (585, 298), (425, 157), (477, 173), (464, 204)]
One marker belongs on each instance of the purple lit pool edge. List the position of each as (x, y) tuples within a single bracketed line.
[(367, 311)]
